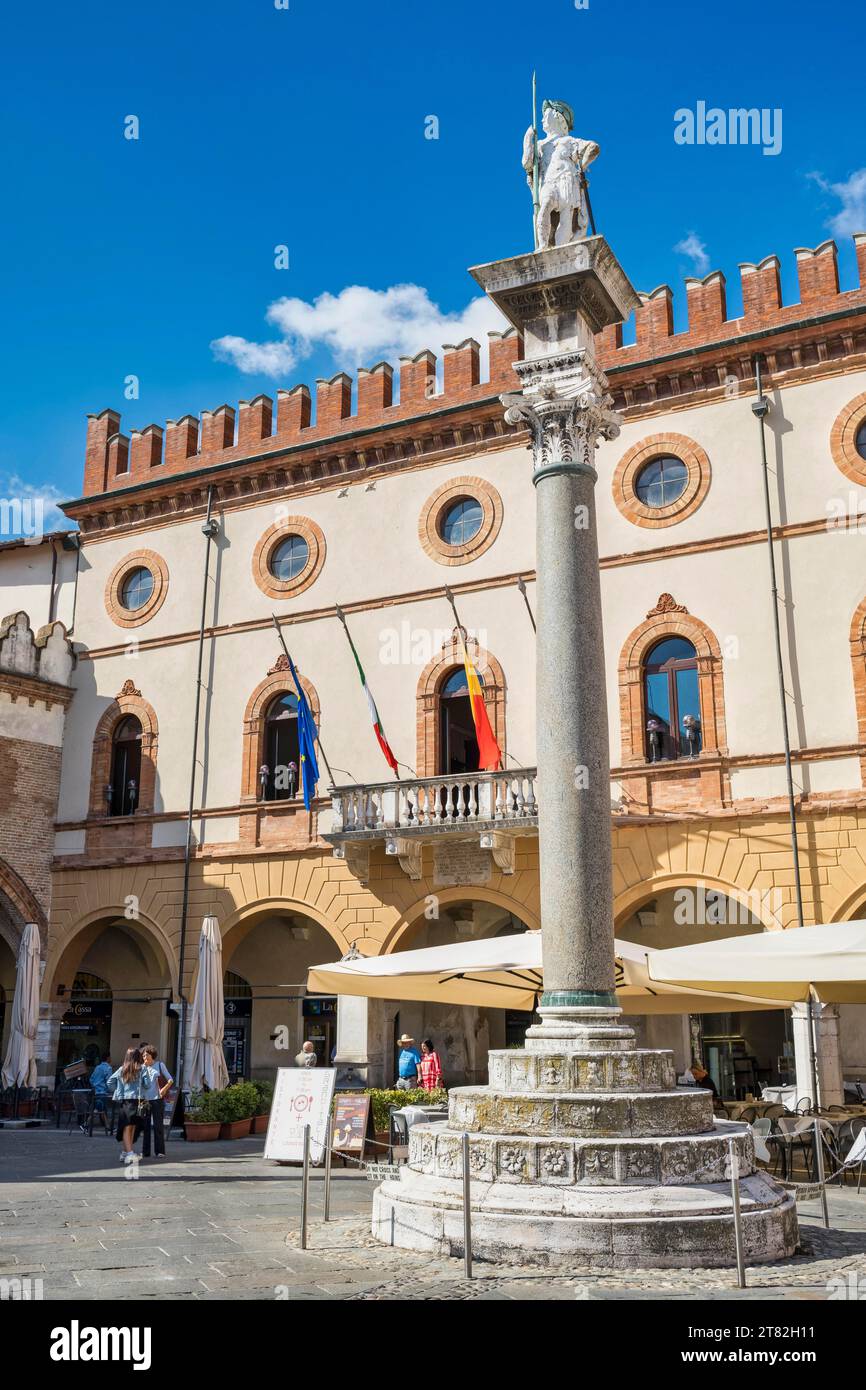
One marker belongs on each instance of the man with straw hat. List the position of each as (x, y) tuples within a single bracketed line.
[(408, 1063)]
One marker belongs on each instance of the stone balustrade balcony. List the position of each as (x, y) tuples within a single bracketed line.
[(491, 809)]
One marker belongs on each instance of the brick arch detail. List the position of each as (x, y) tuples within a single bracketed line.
[(669, 619), (277, 682), (128, 701), (858, 673), (20, 897), (430, 683)]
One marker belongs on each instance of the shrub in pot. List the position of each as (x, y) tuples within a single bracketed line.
[(261, 1115), (236, 1108), (202, 1122)]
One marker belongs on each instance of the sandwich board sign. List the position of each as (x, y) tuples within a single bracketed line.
[(302, 1096)]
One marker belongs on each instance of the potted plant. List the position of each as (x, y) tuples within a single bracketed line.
[(262, 1114), (201, 1122), (383, 1100), (236, 1109)]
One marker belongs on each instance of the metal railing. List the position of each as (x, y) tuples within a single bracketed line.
[(461, 799)]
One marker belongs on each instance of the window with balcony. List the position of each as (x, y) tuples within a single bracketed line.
[(672, 700), (458, 746), (122, 792), (279, 774)]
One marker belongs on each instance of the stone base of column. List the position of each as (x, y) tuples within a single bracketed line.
[(587, 1154), (579, 1029)]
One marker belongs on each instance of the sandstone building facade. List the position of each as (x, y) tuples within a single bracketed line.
[(375, 501)]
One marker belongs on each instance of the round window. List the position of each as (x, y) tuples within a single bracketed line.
[(860, 441), (661, 481), (289, 558), (136, 589), (461, 521)]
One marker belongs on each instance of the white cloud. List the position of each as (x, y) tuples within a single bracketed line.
[(694, 248), (851, 217), (358, 327), (29, 508)]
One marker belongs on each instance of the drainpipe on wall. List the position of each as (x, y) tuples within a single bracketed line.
[(761, 409)]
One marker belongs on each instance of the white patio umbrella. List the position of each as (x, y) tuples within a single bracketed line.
[(826, 963), (505, 972), (207, 1021), (19, 1065)]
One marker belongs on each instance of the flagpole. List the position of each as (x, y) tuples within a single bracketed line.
[(288, 658), (450, 597), (521, 584), (341, 615)]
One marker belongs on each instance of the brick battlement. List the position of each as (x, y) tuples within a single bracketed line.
[(115, 460)]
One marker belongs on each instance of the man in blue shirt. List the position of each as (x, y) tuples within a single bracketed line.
[(99, 1081), (407, 1064)]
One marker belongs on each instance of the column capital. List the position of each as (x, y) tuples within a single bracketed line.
[(566, 403)]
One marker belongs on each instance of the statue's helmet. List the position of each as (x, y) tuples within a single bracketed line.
[(563, 108)]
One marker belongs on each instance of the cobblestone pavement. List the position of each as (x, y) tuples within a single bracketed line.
[(215, 1221)]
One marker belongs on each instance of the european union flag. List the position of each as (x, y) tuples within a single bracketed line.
[(307, 735)]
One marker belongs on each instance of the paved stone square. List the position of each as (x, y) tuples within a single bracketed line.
[(215, 1221)]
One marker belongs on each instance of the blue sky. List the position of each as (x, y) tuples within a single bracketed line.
[(305, 127)]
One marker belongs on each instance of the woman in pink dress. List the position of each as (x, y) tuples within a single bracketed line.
[(430, 1067)]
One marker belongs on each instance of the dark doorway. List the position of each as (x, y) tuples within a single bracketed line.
[(458, 746), (279, 776), (125, 767)]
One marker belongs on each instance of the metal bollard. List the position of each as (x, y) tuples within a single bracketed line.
[(467, 1212), (818, 1145), (738, 1219), (305, 1187), (326, 1215)]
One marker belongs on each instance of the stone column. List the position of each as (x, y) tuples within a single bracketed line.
[(828, 1053), (559, 299)]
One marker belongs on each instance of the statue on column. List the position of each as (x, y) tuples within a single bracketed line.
[(556, 174)]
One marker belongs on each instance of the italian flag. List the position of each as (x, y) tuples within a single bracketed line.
[(489, 752), (374, 713)]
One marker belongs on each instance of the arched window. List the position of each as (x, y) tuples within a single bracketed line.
[(124, 783), (279, 775), (458, 746), (671, 700)]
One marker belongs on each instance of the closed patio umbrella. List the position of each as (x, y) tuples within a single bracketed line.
[(505, 972), (19, 1064), (207, 1023)]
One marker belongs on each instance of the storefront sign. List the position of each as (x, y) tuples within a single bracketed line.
[(302, 1096), (351, 1124)]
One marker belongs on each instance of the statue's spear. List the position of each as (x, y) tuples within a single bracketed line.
[(535, 197), (585, 185)]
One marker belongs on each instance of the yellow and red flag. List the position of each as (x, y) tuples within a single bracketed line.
[(489, 752)]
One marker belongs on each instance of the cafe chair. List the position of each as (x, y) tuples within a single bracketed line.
[(398, 1136), (761, 1129)]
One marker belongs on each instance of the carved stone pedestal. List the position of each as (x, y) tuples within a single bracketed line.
[(590, 1155)]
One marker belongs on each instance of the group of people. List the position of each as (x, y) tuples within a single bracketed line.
[(140, 1084), (418, 1070)]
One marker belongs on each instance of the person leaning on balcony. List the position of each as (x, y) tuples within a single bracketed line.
[(430, 1068), (408, 1063)]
